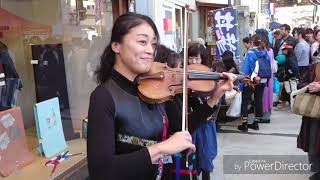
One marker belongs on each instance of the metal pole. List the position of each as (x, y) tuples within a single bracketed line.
[(257, 14), (317, 17), (314, 14)]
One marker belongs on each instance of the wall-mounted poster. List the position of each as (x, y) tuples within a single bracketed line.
[(14, 152), (49, 127)]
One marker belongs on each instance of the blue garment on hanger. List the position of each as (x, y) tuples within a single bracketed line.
[(8, 99)]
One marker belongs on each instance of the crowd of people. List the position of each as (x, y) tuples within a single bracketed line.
[(294, 64), (145, 139)]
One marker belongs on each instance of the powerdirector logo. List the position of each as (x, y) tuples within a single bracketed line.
[(266, 164)]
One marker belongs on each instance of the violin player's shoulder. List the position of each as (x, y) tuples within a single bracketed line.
[(100, 92)]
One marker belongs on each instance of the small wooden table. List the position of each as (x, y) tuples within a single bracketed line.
[(73, 168)]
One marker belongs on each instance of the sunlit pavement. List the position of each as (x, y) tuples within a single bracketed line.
[(277, 138)]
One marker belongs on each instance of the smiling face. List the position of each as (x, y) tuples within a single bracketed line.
[(135, 53)]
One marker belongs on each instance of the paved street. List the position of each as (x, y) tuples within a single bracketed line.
[(276, 138)]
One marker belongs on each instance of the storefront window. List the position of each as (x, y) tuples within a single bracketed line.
[(55, 47), (171, 25)]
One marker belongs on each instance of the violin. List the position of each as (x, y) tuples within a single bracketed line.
[(162, 83)]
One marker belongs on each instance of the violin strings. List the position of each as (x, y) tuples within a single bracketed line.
[(201, 73), (197, 72)]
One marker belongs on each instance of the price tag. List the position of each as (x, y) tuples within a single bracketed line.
[(34, 62)]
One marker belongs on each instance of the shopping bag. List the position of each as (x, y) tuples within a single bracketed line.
[(235, 107), (230, 96), (293, 84), (290, 85), (276, 86), (295, 93), (308, 105)]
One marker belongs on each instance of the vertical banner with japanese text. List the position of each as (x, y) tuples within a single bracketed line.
[(226, 31)]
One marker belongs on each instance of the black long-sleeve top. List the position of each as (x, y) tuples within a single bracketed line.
[(108, 159)]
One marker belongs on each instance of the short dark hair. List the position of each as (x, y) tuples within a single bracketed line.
[(316, 32), (228, 61), (264, 44), (162, 53), (246, 40), (309, 31), (290, 50), (286, 27), (173, 60), (276, 32), (166, 55), (256, 40), (295, 30), (195, 49), (302, 32)]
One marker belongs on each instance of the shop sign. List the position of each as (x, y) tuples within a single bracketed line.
[(225, 29)]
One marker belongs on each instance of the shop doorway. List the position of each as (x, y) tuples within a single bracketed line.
[(119, 7), (50, 81)]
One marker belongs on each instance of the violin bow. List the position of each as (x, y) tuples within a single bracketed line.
[(185, 78)]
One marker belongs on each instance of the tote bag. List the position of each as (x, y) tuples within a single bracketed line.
[(235, 107)]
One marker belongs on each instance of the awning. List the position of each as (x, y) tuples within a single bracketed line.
[(274, 25), (13, 25), (191, 3)]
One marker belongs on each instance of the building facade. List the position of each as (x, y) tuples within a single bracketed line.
[(169, 18)]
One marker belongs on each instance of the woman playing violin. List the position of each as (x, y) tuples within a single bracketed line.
[(127, 137)]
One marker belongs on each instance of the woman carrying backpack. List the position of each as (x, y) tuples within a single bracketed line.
[(256, 65)]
